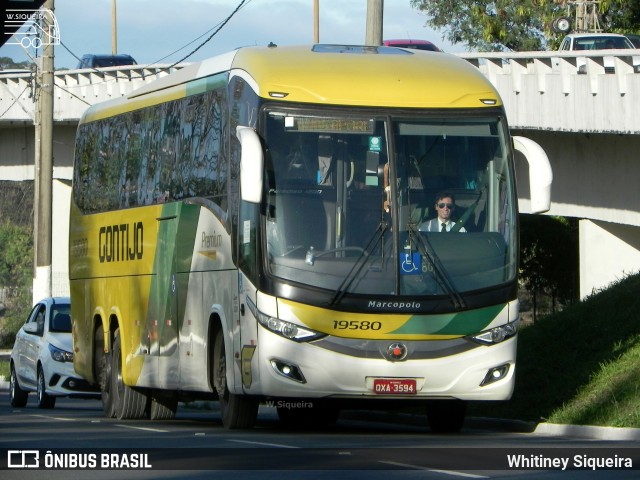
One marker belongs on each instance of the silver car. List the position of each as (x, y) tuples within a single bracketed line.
[(42, 357)]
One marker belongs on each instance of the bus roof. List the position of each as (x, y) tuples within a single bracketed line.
[(328, 75)]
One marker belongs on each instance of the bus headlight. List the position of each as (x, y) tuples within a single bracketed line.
[(287, 329), (497, 334)]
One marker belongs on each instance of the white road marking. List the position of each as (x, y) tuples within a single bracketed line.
[(146, 429), (445, 472), (279, 445), (62, 419)]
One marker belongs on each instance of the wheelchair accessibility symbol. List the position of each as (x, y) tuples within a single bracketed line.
[(410, 263)]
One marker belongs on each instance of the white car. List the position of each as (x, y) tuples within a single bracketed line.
[(589, 42), (42, 357)]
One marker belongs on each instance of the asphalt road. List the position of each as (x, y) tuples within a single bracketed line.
[(74, 440)]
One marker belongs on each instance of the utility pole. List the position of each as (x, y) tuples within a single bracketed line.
[(44, 166), (374, 22), (114, 29), (316, 21)]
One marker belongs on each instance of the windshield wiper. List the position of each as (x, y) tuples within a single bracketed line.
[(359, 264), (468, 212), (427, 251)]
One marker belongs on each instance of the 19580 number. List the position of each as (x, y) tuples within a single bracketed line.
[(356, 325)]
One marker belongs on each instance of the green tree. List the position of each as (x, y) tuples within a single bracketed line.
[(622, 16), (16, 267), (7, 62), (549, 259), (491, 25), (521, 25), (16, 260)]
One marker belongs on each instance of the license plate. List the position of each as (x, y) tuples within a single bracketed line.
[(394, 386)]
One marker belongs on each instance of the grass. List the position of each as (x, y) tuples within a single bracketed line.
[(580, 366), (610, 397)]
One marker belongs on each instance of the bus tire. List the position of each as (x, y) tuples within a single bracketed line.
[(237, 411), (102, 372), (128, 402), (162, 405), (446, 416)]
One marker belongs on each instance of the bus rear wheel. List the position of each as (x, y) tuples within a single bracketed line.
[(128, 402), (102, 372), (238, 411), (162, 405), (446, 416)]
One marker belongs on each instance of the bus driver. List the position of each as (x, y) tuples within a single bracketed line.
[(445, 205)]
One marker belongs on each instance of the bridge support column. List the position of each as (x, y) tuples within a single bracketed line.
[(608, 252)]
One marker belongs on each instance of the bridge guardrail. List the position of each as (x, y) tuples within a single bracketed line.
[(75, 89), (565, 63), (540, 90), (545, 91)]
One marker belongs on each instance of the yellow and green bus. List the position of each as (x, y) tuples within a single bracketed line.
[(252, 229)]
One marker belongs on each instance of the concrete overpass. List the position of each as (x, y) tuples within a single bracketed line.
[(587, 123), (75, 91), (589, 126)]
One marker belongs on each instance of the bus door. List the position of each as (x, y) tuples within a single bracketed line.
[(164, 324), (342, 176), (334, 186)]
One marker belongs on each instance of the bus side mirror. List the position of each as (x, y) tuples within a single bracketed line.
[(540, 174), (251, 164)]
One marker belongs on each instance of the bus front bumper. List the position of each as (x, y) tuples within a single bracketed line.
[(285, 368)]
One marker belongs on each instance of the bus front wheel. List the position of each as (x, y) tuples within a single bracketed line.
[(238, 411)]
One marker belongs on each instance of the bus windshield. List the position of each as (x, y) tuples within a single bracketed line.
[(352, 204)]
